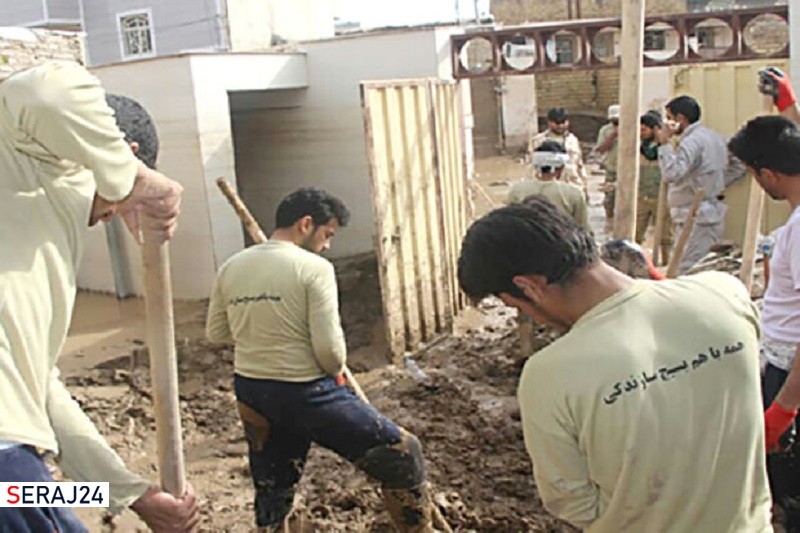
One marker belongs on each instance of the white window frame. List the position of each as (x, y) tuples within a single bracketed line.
[(121, 32)]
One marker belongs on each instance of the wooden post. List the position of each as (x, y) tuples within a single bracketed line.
[(661, 214), (630, 96), (163, 362), (683, 239), (752, 227)]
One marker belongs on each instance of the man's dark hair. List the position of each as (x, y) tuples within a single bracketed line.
[(686, 106), (531, 238), (557, 114), (552, 146), (137, 126), (771, 142), (320, 205), (651, 120)]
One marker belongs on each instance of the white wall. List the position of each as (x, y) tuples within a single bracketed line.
[(656, 87), (188, 100), (214, 76), (302, 20), (318, 140), (249, 25), (164, 88), (519, 109)]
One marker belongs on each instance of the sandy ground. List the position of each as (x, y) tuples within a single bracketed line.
[(466, 415)]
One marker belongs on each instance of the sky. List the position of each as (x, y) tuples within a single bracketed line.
[(378, 13)]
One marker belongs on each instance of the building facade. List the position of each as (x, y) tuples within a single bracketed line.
[(125, 30)]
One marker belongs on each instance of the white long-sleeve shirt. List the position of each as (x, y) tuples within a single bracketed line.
[(647, 415), (59, 143)]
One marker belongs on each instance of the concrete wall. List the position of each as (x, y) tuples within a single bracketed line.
[(188, 99), (174, 111), (249, 25), (177, 26), (63, 10), (214, 78), (302, 20), (316, 137), (21, 12), (519, 110)]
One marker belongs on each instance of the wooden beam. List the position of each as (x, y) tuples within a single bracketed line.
[(752, 226), (630, 96)]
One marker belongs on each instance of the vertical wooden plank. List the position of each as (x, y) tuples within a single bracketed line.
[(403, 221), (459, 184), (404, 135), (436, 224), (421, 174), (456, 200), (374, 104), (449, 196)]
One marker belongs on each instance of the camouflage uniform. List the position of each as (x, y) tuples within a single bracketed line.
[(610, 166)]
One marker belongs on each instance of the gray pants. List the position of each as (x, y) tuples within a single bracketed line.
[(709, 228)]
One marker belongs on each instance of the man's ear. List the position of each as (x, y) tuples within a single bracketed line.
[(306, 225), (532, 286), (134, 147)]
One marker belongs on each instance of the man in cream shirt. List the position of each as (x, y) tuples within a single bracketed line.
[(64, 165), (646, 414)]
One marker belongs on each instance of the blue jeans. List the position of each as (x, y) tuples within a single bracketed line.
[(282, 419), (22, 463)]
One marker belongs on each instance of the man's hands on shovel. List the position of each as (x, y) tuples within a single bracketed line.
[(164, 513), (155, 198)]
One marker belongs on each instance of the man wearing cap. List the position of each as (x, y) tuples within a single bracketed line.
[(549, 161), (558, 130), (607, 148)]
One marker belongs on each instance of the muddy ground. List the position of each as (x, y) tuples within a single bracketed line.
[(465, 414)]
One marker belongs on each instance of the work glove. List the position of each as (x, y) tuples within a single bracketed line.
[(774, 82), (777, 421)]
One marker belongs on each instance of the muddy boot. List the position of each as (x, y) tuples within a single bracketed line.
[(410, 509)]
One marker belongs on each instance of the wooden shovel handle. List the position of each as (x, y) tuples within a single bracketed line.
[(163, 362)]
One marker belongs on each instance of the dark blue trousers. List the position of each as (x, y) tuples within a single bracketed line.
[(282, 419), (22, 463)]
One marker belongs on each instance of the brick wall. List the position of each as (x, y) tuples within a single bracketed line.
[(21, 48), (522, 11)]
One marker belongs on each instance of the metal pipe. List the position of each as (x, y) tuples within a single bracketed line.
[(119, 263)]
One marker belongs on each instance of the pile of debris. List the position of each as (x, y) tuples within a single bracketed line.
[(726, 256)]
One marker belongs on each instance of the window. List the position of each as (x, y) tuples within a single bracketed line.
[(136, 34), (655, 40), (565, 50)]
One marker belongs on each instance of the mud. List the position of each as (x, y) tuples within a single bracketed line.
[(465, 414)]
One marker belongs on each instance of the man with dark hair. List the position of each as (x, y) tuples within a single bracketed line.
[(770, 147), (278, 303), (699, 162), (558, 130), (64, 166), (137, 126), (549, 161), (649, 184), (643, 369)]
